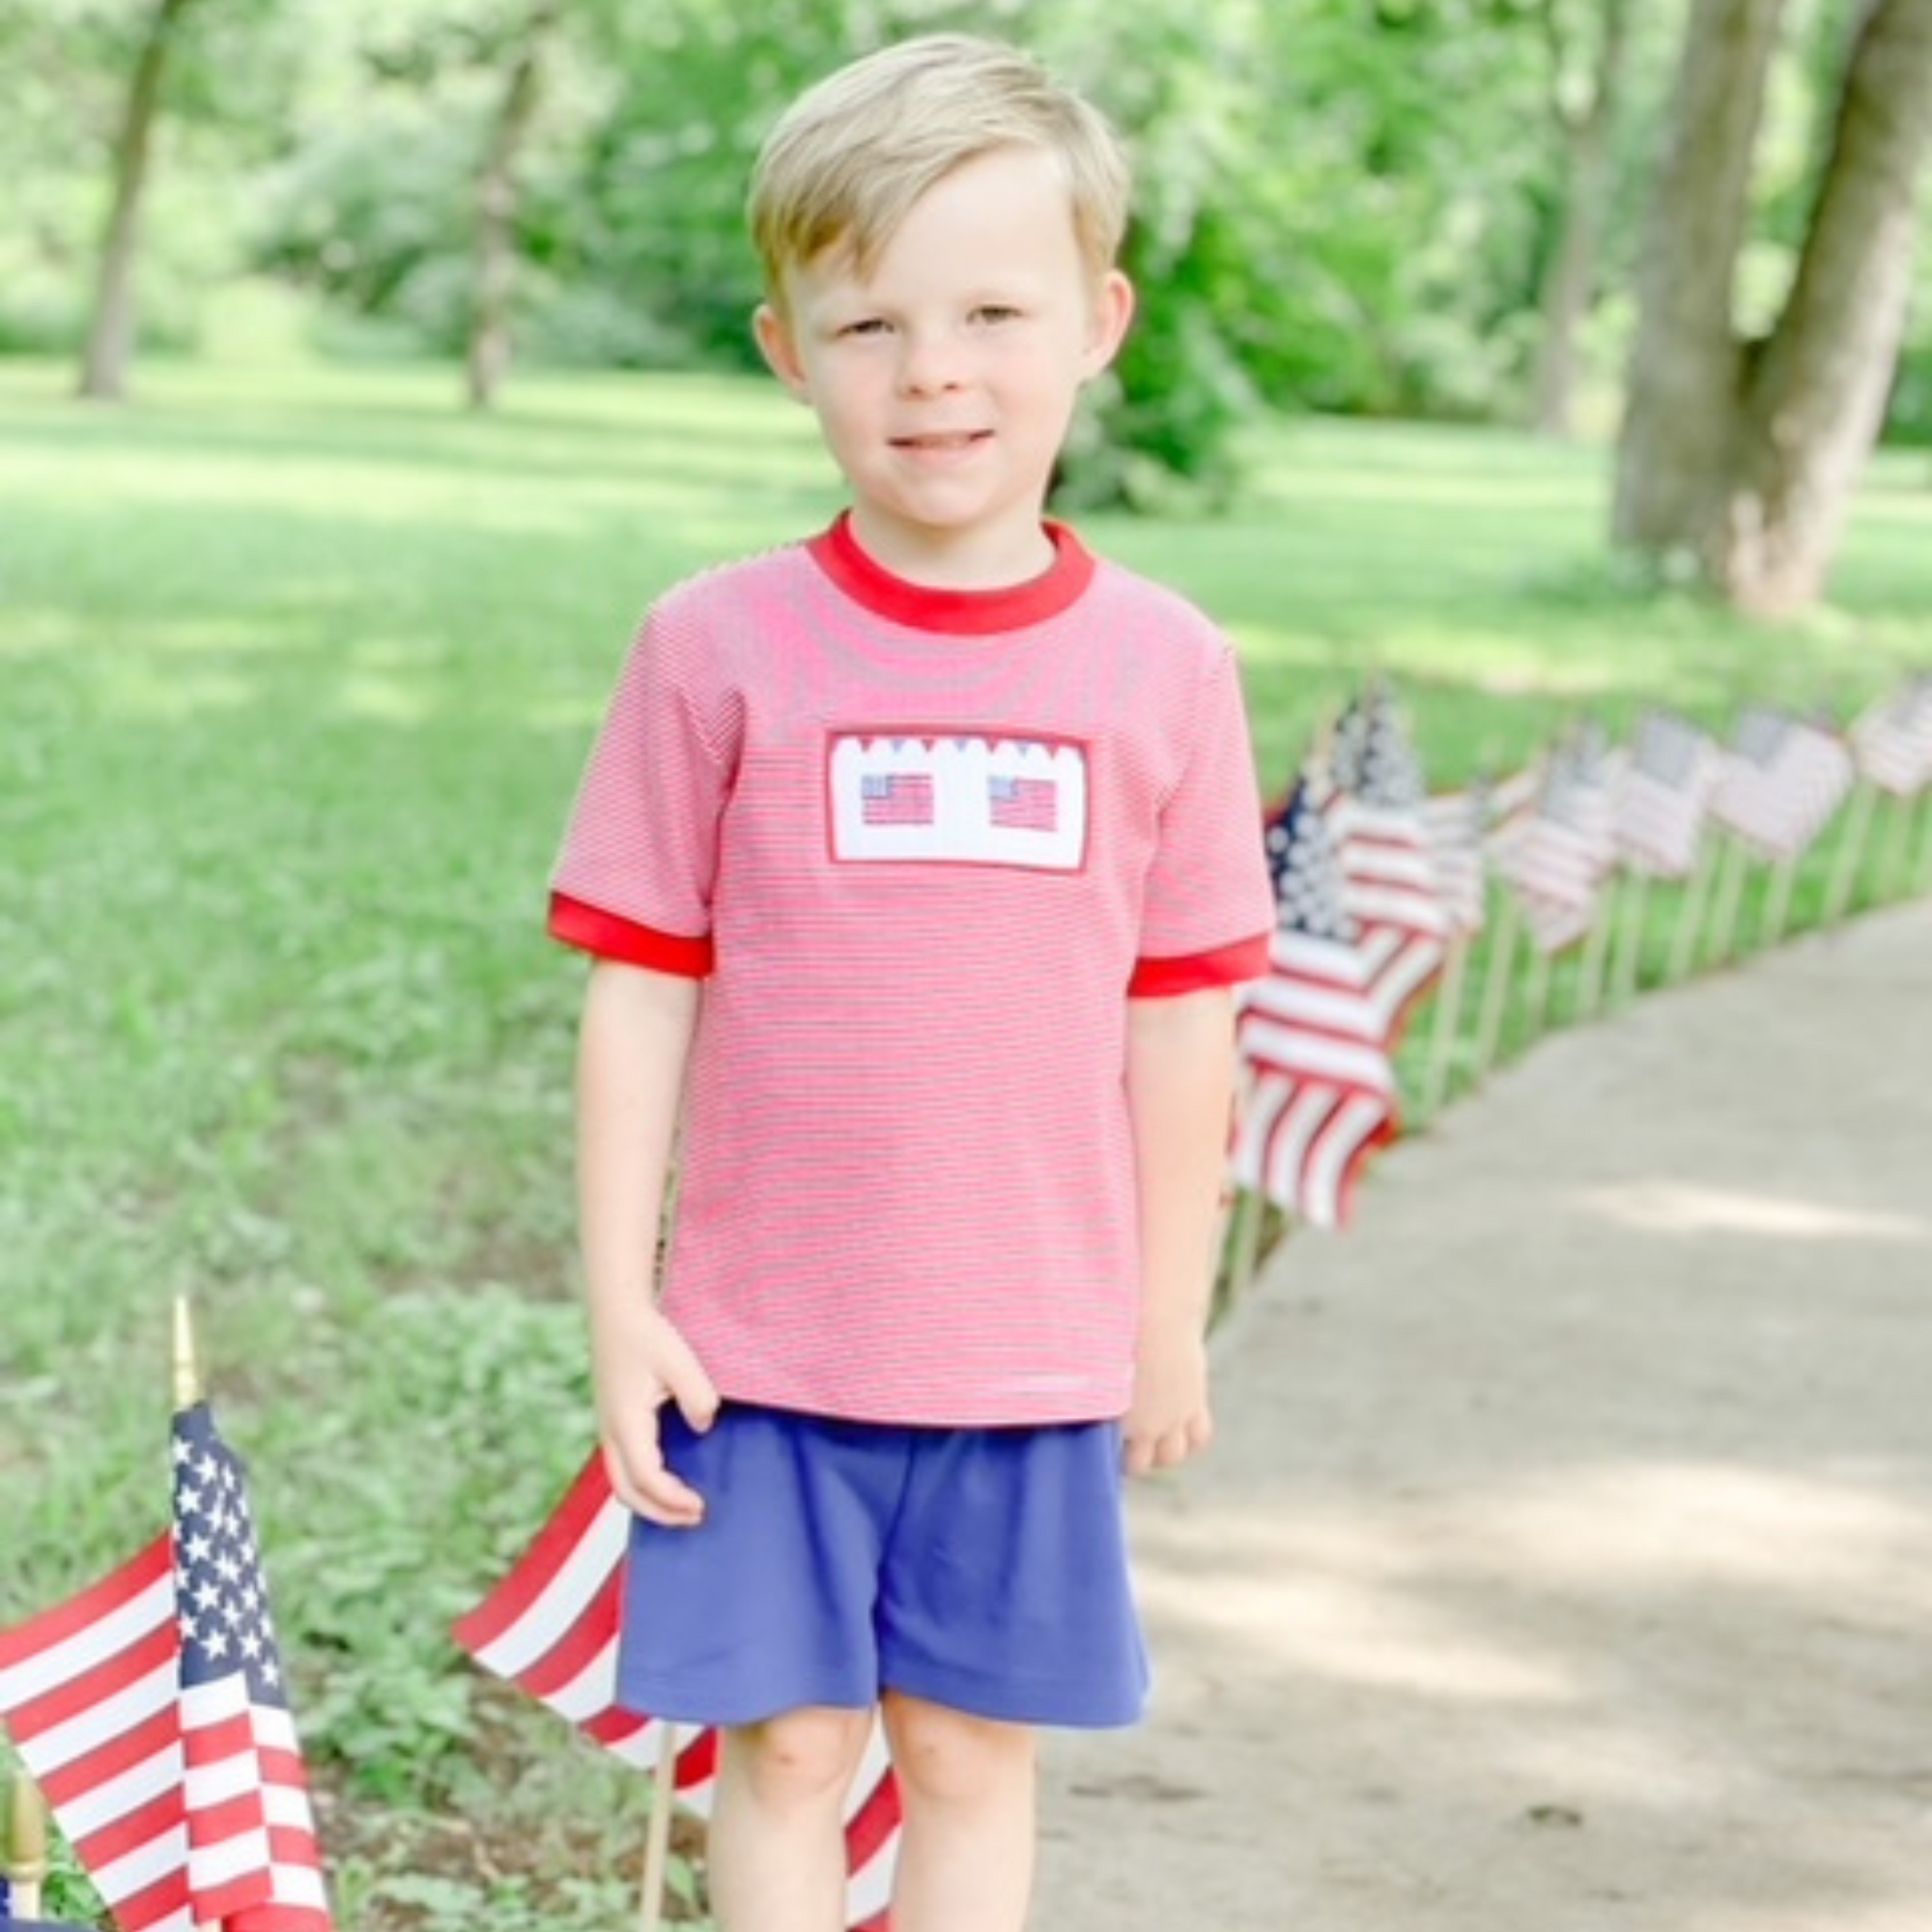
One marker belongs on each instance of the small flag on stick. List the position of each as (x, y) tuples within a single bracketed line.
[(151, 1711), (1556, 856), (1781, 779), (1318, 1089), (1374, 809), (551, 1627)]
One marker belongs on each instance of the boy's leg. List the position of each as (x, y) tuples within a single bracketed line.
[(777, 1841), (966, 1849)]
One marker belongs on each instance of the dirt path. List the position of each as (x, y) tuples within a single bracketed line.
[(1565, 1560)]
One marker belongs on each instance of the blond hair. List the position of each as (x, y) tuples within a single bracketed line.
[(847, 160)]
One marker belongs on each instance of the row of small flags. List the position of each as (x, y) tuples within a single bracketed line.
[(151, 1710), (1379, 887)]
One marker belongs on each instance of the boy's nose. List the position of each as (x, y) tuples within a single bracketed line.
[(930, 362)]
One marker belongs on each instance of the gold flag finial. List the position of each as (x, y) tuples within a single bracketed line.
[(187, 1369), (26, 1845)]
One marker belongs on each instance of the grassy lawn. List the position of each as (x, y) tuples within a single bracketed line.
[(296, 672)]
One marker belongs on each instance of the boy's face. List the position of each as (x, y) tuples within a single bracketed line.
[(944, 380)]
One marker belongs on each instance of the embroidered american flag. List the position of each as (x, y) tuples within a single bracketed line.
[(895, 798), (1024, 805), (551, 1627), (152, 1712)]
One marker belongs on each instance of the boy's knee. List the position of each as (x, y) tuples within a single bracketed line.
[(950, 1756), (800, 1755)]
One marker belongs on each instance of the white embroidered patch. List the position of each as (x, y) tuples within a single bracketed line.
[(949, 799)]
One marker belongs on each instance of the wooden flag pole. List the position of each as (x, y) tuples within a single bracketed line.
[(1240, 1247), (1542, 970), (1729, 899), (1448, 1020), (1629, 938), (1850, 854), (1895, 853), (188, 1366), (657, 1835), (1778, 902), (1691, 916), (26, 1845), (1495, 987), (1594, 970)]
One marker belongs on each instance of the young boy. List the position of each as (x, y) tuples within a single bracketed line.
[(919, 860)]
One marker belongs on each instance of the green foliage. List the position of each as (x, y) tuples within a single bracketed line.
[(1344, 208)]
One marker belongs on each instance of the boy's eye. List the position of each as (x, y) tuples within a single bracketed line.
[(866, 325), (995, 312)]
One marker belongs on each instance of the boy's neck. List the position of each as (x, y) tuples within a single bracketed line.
[(978, 559), (959, 611)]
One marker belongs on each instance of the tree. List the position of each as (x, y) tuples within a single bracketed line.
[(1737, 457), (110, 333), (1584, 96), (489, 355)]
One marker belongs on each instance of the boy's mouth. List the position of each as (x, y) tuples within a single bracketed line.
[(963, 438)]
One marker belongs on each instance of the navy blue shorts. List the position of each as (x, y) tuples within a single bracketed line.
[(981, 1569)]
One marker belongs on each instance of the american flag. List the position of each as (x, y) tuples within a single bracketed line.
[(551, 1627), (1024, 805), (151, 1709), (1374, 815), (1781, 779), (1663, 794), (1556, 856), (1893, 741), (1318, 1089), (1454, 823), (895, 798)]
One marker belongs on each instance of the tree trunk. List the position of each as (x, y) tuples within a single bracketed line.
[(488, 356), (1570, 284), (1686, 364), (1816, 398), (110, 334)]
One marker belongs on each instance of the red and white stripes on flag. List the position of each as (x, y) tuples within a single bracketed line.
[(1454, 823), (551, 1627), (1663, 794), (151, 1713), (1891, 743), (1557, 855), (1318, 1092), (1374, 812), (1782, 779)]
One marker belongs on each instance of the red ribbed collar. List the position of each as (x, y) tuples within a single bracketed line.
[(972, 614)]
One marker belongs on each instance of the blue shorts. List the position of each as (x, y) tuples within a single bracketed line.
[(981, 1569)]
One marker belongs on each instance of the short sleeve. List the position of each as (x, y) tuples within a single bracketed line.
[(1208, 905), (633, 879)]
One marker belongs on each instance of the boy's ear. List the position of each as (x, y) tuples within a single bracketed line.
[(777, 345), (1113, 311)]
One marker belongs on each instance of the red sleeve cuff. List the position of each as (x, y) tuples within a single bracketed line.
[(1196, 972), (611, 936)]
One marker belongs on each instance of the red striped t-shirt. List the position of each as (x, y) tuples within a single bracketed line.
[(923, 847)]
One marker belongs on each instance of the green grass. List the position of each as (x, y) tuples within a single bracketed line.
[(298, 668)]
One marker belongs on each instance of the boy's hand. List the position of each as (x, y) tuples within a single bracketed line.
[(638, 1371), (1168, 1420)]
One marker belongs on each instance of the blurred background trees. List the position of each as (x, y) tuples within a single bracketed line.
[(1474, 210)]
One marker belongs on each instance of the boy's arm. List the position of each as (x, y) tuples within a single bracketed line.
[(1181, 1076), (632, 1048)]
